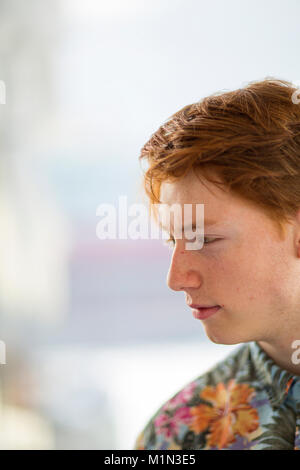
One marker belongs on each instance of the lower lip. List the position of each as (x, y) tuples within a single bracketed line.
[(202, 313)]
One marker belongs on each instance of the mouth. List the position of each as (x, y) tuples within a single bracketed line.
[(202, 312)]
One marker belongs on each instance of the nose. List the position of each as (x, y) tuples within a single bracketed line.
[(182, 272)]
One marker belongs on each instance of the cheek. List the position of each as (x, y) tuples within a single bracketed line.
[(222, 272), (238, 277), (264, 284)]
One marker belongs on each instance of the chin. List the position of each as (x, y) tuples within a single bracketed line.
[(225, 337)]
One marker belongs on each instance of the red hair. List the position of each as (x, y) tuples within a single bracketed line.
[(249, 138)]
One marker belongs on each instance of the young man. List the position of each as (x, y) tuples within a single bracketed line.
[(238, 153)]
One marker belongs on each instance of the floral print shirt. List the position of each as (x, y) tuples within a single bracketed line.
[(245, 401)]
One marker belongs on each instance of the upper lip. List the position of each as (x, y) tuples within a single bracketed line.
[(202, 306)]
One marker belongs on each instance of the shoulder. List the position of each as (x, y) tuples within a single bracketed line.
[(184, 421)]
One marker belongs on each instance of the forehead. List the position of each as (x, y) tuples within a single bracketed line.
[(220, 206), (192, 190)]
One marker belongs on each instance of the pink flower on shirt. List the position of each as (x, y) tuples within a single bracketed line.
[(168, 425), (181, 398)]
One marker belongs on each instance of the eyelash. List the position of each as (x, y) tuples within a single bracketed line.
[(172, 241)]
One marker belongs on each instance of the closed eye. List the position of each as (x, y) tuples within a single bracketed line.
[(171, 241)]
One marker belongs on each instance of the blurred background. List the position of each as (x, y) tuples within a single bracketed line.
[(90, 326)]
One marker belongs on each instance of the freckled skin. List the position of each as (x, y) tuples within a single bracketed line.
[(252, 273)]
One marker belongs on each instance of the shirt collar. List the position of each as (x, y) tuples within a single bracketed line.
[(277, 381)]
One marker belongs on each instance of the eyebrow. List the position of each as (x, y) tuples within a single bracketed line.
[(207, 223)]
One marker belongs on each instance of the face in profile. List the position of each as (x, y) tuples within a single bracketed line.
[(244, 266)]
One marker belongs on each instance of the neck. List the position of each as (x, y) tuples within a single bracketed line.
[(282, 352)]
